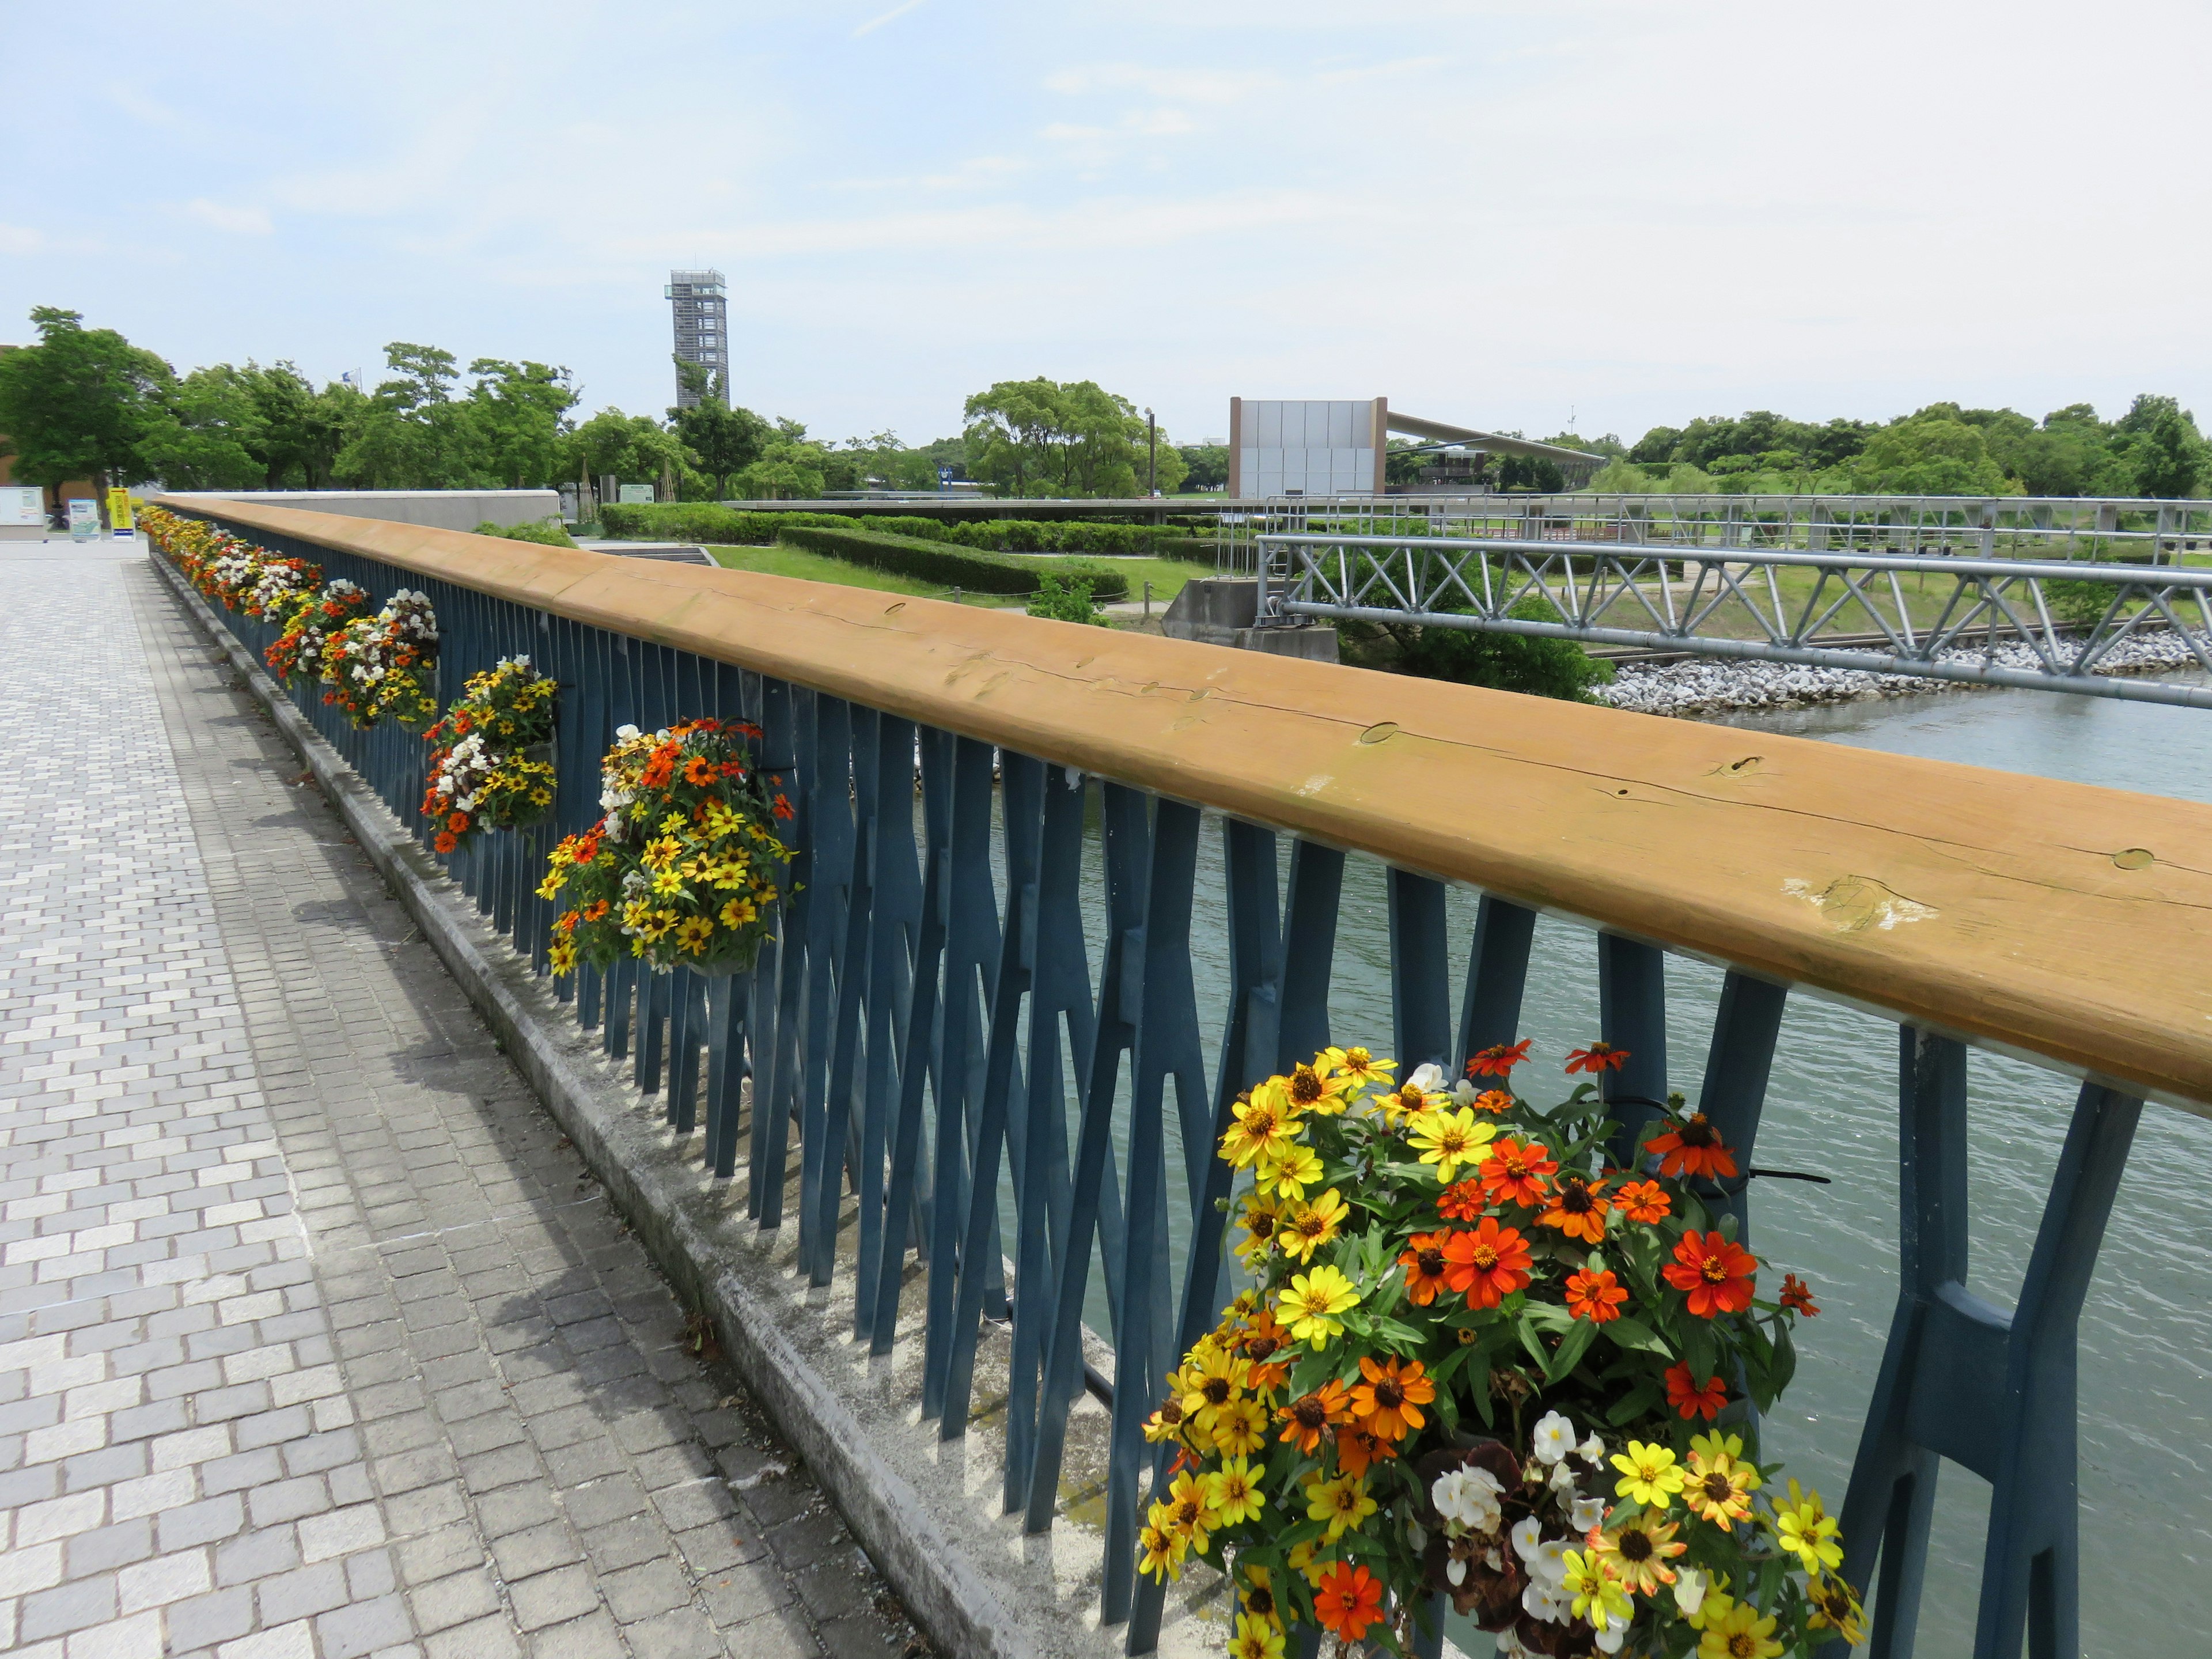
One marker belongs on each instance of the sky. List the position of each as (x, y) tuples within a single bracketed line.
[(1611, 213)]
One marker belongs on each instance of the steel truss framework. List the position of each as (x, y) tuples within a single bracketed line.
[(1731, 604)]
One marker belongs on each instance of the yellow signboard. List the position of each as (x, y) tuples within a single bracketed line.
[(118, 511)]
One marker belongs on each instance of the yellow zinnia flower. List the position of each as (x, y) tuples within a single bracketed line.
[(1240, 1428), (1237, 1494), (1448, 1140), (1598, 1597), (1191, 1512), (1255, 1638), (1264, 1130), (1807, 1531), (1739, 1634), (1648, 1474), (1309, 1226), (1310, 1306), (1288, 1176), (1343, 1503), (1719, 1488)]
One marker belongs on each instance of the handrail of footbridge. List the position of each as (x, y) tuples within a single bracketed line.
[(1669, 597), (2047, 919)]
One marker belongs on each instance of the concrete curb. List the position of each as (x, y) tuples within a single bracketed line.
[(943, 1590)]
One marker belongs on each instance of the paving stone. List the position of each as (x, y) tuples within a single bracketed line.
[(241, 1448)]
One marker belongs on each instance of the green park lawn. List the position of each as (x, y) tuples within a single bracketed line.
[(1166, 576)]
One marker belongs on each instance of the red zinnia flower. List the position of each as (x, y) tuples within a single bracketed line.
[(1598, 1057), (783, 809), (1461, 1201), (1643, 1200), (1797, 1296), (1691, 1400), (1596, 1297), (1488, 1264), (1516, 1173), (1692, 1148), (1499, 1059), (1716, 1273), (458, 822), (1424, 1262), (1349, 1599), (446, 841)]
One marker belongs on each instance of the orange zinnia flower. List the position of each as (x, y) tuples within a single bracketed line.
[(1692, 1399), (1488, 1264), (1643, 1200), (699, 770), (1424, 1262), (1356, 1448), (1516, 1173), (1598, 1057), (1387, 1399), (1716, 1273), (446, 841), (1797, 1296), (1348, 1600), (1308, 1417), (1596, 1297), (458, 822), (1693, 1149), (782, 808), (1493, 1100), (1578, 1209), (595, 909), (1462, 1201), (1499, 1059)]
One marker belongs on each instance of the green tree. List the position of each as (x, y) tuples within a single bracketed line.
[(207, 431), (792, 466), (1042, 437), (517, 413), (633, 448), (2164, 448), (1933, 453), (411, 433), (1530, 664), (78, 403), (1205, 466), (723, 440)]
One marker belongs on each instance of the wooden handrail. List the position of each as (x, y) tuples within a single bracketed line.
[(2062, 922)]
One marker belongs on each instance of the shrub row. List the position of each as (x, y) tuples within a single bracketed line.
[(699, 521), (941, 564)]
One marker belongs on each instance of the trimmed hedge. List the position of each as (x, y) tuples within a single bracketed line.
[(703, 521), (940, 563)]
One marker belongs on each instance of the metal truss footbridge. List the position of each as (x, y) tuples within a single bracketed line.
[(2043, 624)]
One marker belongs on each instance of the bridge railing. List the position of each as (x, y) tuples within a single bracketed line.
[(943, 972)]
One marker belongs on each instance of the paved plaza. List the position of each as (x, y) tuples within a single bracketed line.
[(316, 1341)]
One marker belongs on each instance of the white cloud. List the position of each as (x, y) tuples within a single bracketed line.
[(237, 221), (875, 23)]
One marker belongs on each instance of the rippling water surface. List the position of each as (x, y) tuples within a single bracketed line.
[(2146, 1339)]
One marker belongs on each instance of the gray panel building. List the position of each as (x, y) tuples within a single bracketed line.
[(1290, 446), (701, 302)]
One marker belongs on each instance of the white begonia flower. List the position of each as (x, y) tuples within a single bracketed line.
[(1549, 1564), (1554, 1437), (1528, 1537), (1464, 1093), (624, 734), (1563, 1481), (1508, 1646), (1690, 1586), (1494, 1559), (1548, 1605), (1428, 1077), (1592, 1450), (1588, 1512), (1609, 1639), (1455, 1570), (1417, 1536), (1467, 1499)]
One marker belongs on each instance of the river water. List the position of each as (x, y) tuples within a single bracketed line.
[(2146, 1337)]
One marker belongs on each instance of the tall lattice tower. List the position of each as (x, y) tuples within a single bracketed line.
[(701, 305)]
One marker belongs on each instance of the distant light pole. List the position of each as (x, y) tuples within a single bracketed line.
[(1152, 455)]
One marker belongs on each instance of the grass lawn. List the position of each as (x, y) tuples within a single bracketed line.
[(1166, 576)]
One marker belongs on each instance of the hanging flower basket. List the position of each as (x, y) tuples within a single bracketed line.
[(296, 653), (385, 667), (491, 756), (1481, 1361), (685, 866)]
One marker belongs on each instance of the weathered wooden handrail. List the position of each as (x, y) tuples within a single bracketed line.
[(2053, 919)]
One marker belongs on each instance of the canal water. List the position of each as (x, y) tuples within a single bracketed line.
[(2146, 1338)]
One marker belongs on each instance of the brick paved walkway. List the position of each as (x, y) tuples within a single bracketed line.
[(315, 1341)]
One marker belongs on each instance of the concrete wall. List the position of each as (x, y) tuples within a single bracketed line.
[(440, 509)]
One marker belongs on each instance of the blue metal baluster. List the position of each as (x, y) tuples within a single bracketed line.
[(1420, 988), (728, 998), (839, 1133), (626, 697), (1993, 1392), (1631, 1000), (1022, 785), (1060, 994), (1166, 1041), (971, 941), (1497, 974), (789, 734), (829, 783), (657, 712), (1735, 1093), (1121, 981), (894, 929), (916, 1063), (1309, 952), (585, 734)]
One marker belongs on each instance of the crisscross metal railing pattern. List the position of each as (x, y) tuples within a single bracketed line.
[(931, 1024), (1989, 621)]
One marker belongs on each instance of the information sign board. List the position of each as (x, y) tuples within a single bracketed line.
[(24, 508)]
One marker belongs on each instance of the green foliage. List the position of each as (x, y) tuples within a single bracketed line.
[(206, 432), (545, 534), (733, 526), (1206, 466), (1041, 438), (514, 420), (944, 564), (722, 439), (1066, 596), (78, 403), (1932, 453), (1505, 662)]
